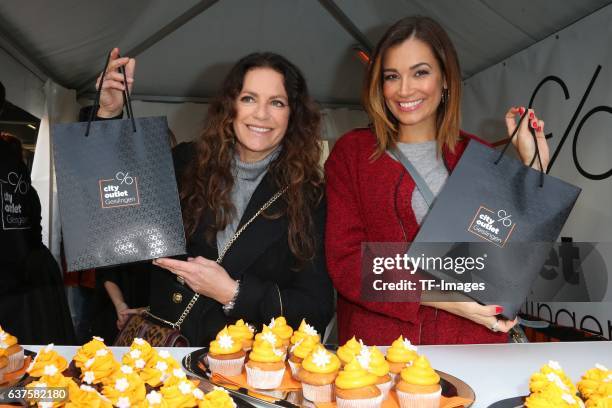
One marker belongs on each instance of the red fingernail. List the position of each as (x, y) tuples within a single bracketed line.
[(498, 309), (531, 115), (539, 129), (534, 124), (521, 111)]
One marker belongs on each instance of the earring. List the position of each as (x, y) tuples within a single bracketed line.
[(444, 95)]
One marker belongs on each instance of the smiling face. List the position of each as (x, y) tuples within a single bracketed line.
[(262, 114), (412, 88)]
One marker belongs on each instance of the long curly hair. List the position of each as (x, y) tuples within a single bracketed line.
[(207, 182)]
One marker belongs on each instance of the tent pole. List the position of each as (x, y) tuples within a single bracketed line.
[(346, 23)]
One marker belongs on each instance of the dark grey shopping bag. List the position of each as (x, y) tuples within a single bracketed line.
[(117, 191), (499, 213)]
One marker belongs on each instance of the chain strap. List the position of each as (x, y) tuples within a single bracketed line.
[(226, 247)]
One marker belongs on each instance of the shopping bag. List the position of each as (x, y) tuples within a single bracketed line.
[(117, 191), (491, 227)]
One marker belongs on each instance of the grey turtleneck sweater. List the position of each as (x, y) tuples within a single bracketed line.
[(247, 177)]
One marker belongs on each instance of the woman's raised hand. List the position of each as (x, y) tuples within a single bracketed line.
[(111, 97), (523, 141)]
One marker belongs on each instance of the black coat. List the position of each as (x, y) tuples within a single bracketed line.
[(262, 261)]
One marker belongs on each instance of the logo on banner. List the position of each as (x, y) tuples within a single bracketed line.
[(121, 191), (13, 192), (492, 226)]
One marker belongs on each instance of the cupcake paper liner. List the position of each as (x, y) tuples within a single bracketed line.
[(410, 400), (318, 393), (384, 388), (264, 380), (360, 403), (226, 367), (15, 361), (295, 368)]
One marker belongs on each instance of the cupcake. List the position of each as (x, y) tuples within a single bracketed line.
[(56, 380), (87, 397), (217, 398), (374, 362), (88, 351), (349, 350), (242, 332), (266, 366), (400, 354), (154, 399), (159, 368), (552, 396), (100, 368), (281, 330), (419, 385), (553, 367), (268, 335), (317, 373), (125, 388), (305, 330), (594, 379), (225, 355), (299, 352), (355, 387), (599, 401), (183, 394), (47, 362), (139, 355), (175, 376), (14, 352)]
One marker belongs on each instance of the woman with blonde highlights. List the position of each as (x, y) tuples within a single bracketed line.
[(412, 94), (261, 138)]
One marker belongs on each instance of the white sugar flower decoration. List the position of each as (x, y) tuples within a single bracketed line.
[(125, 369), (409, 345), (89, 362), (272, 323), (554, 378), (164, 354), (309, 330), (226, 341), (89, 377), (135, 354), (140, 363), (554, 365), (198, 394), (47, 404), (608, 378), (364, 357), (177, 372), (568, 398), (161, 366), (88, 388), (50, 369), (185, 387), (601, 367), (269, 337), (296, 345), (154, 397), (122, 384), (100, 339), (138, 341), (48, 348), (101, 352), (40, 384), (320, 358), (123, 402)]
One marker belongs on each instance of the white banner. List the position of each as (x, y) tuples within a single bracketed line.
[(567, 78)]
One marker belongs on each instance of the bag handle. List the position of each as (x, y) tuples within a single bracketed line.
[(535, 141), (426, 192), (126, 98)]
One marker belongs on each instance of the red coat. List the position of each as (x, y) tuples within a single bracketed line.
[(361, 208)]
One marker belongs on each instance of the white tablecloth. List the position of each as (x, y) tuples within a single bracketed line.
[(494, 371)]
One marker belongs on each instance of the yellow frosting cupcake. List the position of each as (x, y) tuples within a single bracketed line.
[(374, 362), (154, 399), (14, 352), (599, 401), (47, 362), (305, 330), (100, 367), (88, 351), (266, 366), (594, 379), (139, 355), (226, 354), (268, 335), (281, 329), (181, 395), (125, 389), (419, 384), (552, 397), (243, 332), (317, 373), (553, 367), (87, 397), (353, 384), (401, 353), (349, 350), (159, 368), (54, 381), (299, 351), (218, 398)]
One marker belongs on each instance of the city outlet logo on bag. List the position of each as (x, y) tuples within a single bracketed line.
[(120, 191), (13, 192), (493, 226)]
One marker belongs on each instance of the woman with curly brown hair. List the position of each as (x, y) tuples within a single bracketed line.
[(261, 140)]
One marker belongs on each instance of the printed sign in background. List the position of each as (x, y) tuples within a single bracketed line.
[(568, 79)]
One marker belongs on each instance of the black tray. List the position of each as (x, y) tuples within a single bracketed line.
[(515, 402)]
